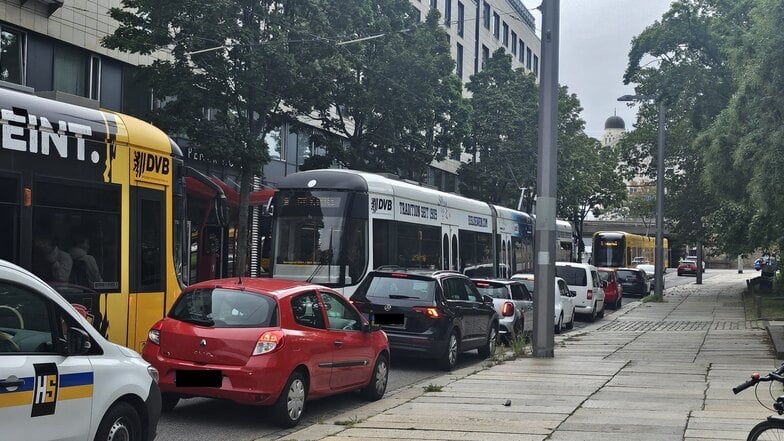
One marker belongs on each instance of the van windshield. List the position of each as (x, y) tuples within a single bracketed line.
[(572, 275)]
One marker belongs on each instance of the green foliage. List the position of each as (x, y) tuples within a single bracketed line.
[(433, 388), (503, 139)]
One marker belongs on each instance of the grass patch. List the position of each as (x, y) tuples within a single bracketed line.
[(763, 305), (653, 298), (433, 388), (350, 422)]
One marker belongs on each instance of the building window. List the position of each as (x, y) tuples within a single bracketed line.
[(506, 35), (433, 4), (70, 70), (528, 58), (448, 13), (275, 144), (514, 44), (485, 55), (522, 52), (496, 25), (460, 18), (536, 65), (12, 44), (94, 91), (486, 15), (459, 57)]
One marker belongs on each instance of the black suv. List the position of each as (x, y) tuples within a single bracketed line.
[(436, 314)]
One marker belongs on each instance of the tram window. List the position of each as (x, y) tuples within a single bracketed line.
[(475, 249), (419, 246), (381, 243), (76, 234), (9, 213), (147, 240)]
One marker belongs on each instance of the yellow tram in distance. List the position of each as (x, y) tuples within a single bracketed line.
[(91, 201), (618, 249)]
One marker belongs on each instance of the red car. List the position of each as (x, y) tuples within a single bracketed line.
[(613, 292), (266, 342)]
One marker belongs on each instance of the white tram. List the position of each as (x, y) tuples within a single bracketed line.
[(333, 226)]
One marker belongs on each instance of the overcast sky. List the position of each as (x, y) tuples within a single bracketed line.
[(595, 40)]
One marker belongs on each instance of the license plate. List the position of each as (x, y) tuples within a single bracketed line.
[(202, 378), (389, 319)]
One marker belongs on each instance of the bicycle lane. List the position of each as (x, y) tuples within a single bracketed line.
[(654, 371)]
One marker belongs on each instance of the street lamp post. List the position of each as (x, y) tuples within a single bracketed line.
[(659, 264)]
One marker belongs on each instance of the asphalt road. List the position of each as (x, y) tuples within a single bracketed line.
[(204, 419)]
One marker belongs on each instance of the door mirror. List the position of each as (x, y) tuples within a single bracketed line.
[(487, 299), (371, 327), (78, 342), (604, 284)]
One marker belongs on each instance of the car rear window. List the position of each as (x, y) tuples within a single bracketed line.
[(226, 308), (572, 275), (626, 275), (401, 287), (604, 275), (494, 290)]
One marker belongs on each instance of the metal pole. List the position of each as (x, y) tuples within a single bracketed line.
[(740, 264), (546, 182), (659, 268), (699, 261)]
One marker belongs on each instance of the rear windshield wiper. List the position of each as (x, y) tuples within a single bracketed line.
[(401, 296), (199, 321)]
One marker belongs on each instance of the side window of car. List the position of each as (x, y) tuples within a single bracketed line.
[(307, 311), (340, 316), (563, 288), (520, 292), (471, 293), (453, 290), (597, 281), (25, 321)]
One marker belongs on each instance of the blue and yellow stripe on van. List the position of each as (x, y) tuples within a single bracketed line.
[(69, 387)]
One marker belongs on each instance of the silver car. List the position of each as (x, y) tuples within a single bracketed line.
[(513, 303)]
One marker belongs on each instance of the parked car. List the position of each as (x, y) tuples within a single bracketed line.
[(513, 304), (429, 313), (613, 292), (650, 271), (564, 303), (687, 267), (584, 280), (634, 281), (694, 258), (639, 260), (59, 378), (266, 342)]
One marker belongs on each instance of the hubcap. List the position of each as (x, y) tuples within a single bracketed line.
[(452, 349), (296, 399), (382, 374), (119, 431)]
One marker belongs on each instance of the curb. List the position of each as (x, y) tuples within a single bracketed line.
[(776, 333)]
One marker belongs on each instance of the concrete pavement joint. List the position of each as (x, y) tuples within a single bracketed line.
[(579, 406)]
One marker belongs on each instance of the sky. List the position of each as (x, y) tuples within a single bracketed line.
[(595, 39)]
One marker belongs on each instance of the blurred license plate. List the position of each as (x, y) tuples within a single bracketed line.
[(389, 319), (205, 378)]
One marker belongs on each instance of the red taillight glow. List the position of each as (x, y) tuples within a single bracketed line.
[(590, 294), (399, 275), (268, 342), (428, 311), (508, 309), (482, 284)]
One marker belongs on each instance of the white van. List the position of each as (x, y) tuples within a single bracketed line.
[(59, 378), (584, 281)]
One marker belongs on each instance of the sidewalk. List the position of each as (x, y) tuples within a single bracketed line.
[(652, 371)]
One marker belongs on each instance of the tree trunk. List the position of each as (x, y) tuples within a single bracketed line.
[(246, 180)]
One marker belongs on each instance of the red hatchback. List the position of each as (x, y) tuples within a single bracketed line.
[(266, 342), (613, 292)]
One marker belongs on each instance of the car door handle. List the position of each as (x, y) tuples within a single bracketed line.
[(338, 343), (11, 383)]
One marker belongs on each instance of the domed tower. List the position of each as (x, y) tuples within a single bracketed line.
[(614, 128)]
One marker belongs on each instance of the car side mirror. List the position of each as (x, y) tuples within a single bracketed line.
[(77, 342), (371, 327), (487, 299), (604, 284)]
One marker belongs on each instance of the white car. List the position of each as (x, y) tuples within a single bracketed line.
[(584, 281), (564, 301), (59, 378)]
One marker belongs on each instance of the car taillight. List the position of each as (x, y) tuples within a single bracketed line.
[(428, 311), (508, 309), (154, 334), (590, 294), (268, 342)]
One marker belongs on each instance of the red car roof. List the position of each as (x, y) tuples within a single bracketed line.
[(274, 287)]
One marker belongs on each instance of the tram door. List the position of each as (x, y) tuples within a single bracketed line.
[(505, 256), (450, 257)]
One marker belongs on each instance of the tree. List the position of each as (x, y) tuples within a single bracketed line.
[(395, 100), (255, 56), (503, 136)]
